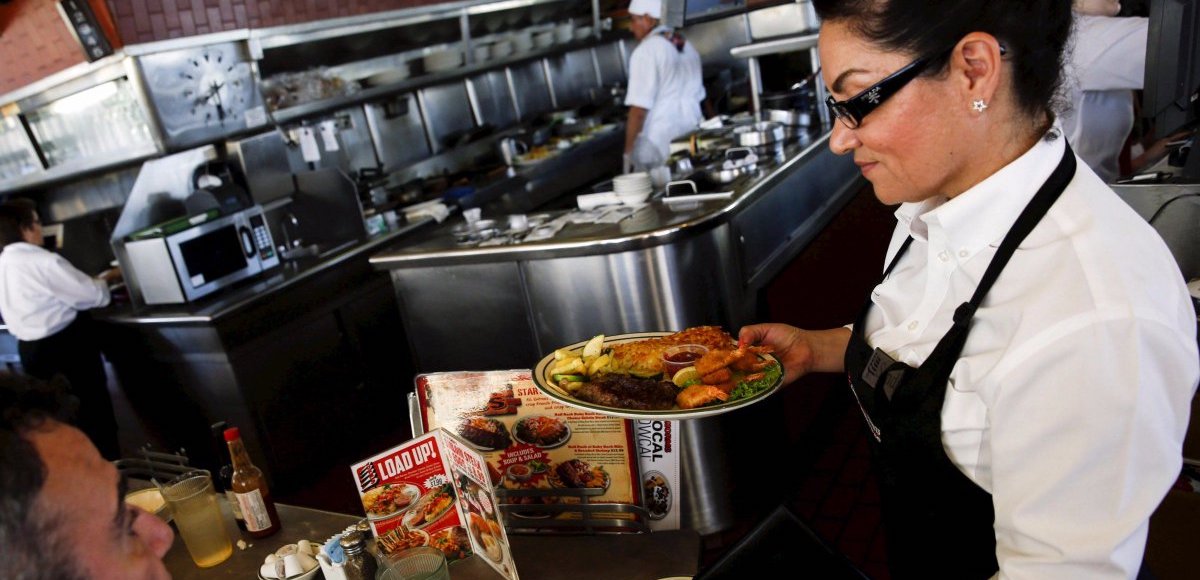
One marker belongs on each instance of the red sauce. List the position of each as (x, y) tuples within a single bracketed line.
[(683, 357)]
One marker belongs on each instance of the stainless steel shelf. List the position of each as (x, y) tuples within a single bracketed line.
[(776, 46)]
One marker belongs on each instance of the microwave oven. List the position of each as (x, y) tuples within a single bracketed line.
[(194, 257)]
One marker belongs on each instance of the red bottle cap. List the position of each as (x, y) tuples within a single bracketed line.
[(232, 434)]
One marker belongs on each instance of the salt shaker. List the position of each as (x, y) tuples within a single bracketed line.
[(360, 564)]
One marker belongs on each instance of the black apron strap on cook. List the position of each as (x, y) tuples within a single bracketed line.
[(939, 523)]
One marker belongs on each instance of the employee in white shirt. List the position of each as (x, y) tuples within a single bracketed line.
[(1026, 362), (1107, 63), (42, 297), (666, 85)]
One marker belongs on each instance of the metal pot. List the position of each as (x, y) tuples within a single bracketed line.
[(719, 173), (759, 134), (789, 117)]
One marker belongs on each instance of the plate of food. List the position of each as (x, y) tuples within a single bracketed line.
[(430, 508), (626, 375), (484, 433), (398, 539), (657, 494), (452, 542), (487, 536), (579, 474), (542, 431), (389, 500)]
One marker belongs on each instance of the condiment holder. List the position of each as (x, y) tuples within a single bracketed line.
[(296, 561)]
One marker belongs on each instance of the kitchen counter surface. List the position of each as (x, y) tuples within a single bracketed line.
[(655, 223), (225, 303)]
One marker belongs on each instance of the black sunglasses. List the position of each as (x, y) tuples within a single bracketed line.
[(852, 111)]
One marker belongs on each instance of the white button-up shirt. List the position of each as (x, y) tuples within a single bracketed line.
[(670, 85), (41, 292), (1071, 397), (1108, 61)]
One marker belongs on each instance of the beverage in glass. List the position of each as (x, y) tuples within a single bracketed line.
[(198, 518)]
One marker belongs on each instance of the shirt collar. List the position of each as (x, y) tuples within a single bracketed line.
[(984, 213)]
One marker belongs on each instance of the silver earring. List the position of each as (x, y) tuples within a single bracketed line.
[(978, 105)]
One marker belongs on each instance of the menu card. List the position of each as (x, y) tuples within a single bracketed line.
[(659, 451), (531, 441), (434, 490)]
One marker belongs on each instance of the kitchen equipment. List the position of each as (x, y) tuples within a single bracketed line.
[(443, 60), (187, 258), (738, 161), (759, 134), (789, 117), (214, 187), (510, 149)]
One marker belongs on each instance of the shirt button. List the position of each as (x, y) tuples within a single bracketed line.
[(962, 253), (943, 256), (913, 325)]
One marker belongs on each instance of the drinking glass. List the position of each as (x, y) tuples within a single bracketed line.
[(420, 563), (198, 517)]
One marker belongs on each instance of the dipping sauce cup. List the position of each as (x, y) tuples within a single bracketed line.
[(679, 357), (198, 517)]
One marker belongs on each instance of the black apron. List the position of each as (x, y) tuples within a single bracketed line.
[(74, 354), (939, 523)]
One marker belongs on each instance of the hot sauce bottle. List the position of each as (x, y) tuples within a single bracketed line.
[(250, 488)]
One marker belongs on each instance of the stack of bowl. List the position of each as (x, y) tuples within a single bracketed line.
[(443, 60), (633, 188), (565, 32), (502, 49)]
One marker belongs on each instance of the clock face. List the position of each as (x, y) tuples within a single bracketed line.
[(202, 92)]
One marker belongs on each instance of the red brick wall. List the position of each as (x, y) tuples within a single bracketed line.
[(35, 42), (149, 20)]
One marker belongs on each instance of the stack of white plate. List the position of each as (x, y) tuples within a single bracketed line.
[(502, 49), (443, 60), (565, 32), (543, 39), (523, 41), (482, 52), (633, 187)]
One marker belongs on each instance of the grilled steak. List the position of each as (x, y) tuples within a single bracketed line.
[(629, 392)]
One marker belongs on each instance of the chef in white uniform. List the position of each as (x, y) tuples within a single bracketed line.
[(666, 86), (1107, 63)]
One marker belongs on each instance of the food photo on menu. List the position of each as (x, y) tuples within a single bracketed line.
[(429, 491), (545, 457)]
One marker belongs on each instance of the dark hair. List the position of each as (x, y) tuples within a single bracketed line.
[(1034, 32), (15, 215), (28, 539)]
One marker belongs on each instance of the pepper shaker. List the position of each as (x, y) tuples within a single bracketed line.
[(360, 564)]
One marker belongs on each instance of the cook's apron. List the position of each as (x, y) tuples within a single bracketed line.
[(939, 523)]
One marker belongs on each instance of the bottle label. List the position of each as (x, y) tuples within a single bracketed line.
[(233, 505), (254, 511)]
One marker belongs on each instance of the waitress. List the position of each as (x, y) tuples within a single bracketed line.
[(41, 299), (1025, 364), (666, 86)]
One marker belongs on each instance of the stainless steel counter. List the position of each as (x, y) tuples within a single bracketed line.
[(654, 224), (666, 267)]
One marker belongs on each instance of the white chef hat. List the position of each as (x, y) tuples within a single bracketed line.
[(651, 8)]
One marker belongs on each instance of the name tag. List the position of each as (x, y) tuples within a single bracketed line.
[(884, 372)]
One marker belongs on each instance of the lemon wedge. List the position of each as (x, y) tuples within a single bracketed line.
[(685, 376)]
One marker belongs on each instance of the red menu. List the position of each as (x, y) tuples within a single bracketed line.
[(532, 442), (434, 490)]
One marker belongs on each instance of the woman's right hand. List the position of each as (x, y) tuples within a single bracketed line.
[(800, 351)]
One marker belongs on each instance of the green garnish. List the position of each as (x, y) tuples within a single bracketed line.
[(746, 389)]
